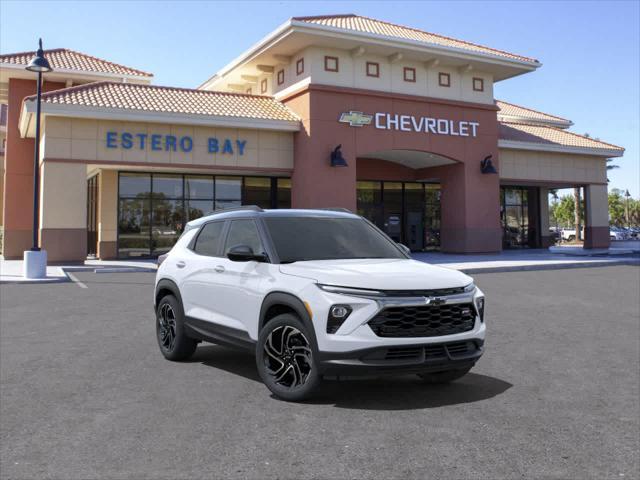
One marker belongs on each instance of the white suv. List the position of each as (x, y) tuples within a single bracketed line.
[(315, 293)]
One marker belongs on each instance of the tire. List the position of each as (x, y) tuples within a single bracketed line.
[(174, 343), (444, 377), (286, 358), (571, 238)]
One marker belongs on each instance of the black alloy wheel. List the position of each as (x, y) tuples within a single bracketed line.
[(173, 341), (285, 357)]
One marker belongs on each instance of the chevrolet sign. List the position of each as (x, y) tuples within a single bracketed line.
[(355, 119), (410, 123)]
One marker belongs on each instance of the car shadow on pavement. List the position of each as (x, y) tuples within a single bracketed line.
[(406, 392)]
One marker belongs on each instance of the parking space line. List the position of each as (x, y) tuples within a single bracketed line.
[(75, 280)]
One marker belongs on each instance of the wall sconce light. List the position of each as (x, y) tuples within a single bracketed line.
[(337, 160), (486, 166)]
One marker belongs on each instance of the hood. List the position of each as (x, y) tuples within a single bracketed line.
[(378, 274)]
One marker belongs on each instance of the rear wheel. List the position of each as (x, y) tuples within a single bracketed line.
[(173, 341), (444, 377), (285, 357)]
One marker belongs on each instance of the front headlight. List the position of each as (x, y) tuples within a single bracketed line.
[(470, 288), (480, 307)]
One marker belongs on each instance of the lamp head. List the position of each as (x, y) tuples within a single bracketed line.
[(337, 160), (39, 62)]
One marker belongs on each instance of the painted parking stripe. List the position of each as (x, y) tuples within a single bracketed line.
[(75, 280)]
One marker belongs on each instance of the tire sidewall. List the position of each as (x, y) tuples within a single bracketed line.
[(183, 346), (299, 393)]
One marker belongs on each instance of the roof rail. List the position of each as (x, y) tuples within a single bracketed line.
[(335, 209), (251, 208)]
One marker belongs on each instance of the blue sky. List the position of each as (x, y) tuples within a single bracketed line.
[(589, 50)]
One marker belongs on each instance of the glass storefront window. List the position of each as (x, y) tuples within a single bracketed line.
[(198, 208), (408, 212), (228, 192), (154, 208), (283, 199), (134, 227), (167, 186), (135, 184), (519, 219), (198, 188), (257, 191)]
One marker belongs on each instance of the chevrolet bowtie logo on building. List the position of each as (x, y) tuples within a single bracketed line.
[(356, 119)]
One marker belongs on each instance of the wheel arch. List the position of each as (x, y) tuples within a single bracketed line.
[(276, 303), (166, 287)]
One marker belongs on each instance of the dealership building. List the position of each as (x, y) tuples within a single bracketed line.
[(398, 124)]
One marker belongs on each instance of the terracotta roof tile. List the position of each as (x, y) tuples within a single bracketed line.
[(517, 132), (152, 98), (379, 27), (513, 110), (65, 59)]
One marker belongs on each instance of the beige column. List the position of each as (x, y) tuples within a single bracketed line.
[(107, 214), (63, 211), (596, 216), (546, 240)]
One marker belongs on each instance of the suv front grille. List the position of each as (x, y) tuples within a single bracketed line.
[(439, 292), (424, 321), (424, 353)]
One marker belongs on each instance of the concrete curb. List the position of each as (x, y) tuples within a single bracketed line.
[(556, 266)]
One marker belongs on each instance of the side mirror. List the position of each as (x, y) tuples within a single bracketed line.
[(404, 248), (244, 253)]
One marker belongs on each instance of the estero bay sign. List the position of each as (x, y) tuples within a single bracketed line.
[(171, 143), (411, 123)]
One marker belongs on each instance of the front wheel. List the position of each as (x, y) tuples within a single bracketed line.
[(444, 377), (286, 359)]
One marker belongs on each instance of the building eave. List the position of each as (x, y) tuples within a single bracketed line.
[(296, 26), (541, 147), (129, 115), (64, 72), (532, 121)]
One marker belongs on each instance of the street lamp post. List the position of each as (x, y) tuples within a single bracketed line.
[(626, 208), (35, 260)]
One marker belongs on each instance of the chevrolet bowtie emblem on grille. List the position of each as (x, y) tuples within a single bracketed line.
[(356, 119), (434, 301)]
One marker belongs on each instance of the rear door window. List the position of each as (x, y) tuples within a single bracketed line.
[(209, 239)]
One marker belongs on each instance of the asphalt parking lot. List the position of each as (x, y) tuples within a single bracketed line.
[(85, 393)]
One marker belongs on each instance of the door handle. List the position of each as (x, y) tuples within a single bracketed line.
[(181, 264), (219, 268)]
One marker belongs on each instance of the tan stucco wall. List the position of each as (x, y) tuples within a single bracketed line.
[(108, 206), (597, 211), (552, 167), (80, 139), (352, 74), (63, 196)]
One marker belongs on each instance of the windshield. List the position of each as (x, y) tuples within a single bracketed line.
[(326, 238)]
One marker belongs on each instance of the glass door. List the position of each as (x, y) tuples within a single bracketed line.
[(92, 216)]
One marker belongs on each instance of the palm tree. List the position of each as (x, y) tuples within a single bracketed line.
[(576, 210)]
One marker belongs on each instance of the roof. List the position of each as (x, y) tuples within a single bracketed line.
[(252, 211), (152, 98), (362, 24), (512, 112), (65, 59), (553, 139)]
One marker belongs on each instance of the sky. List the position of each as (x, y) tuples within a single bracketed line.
[(590, 51)]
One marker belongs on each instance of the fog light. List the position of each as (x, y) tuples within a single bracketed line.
[(337, 315), (480, 307)]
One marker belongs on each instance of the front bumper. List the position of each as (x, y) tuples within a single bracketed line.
[(401, 359)]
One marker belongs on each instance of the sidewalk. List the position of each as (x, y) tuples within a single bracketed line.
[(506, 261), (11, 270), (519, 260)]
